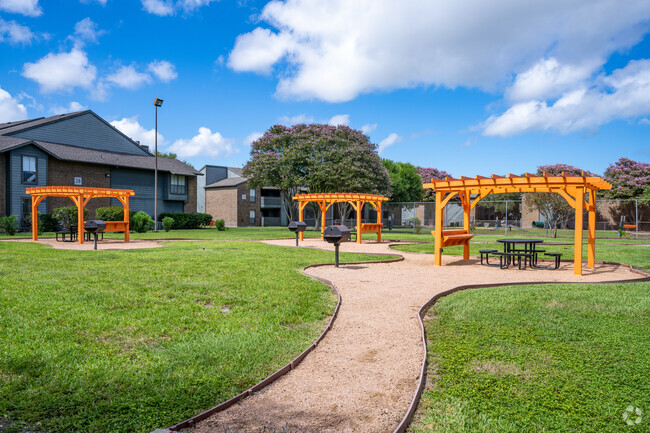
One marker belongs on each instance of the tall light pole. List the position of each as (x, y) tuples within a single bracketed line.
[(158, 103)]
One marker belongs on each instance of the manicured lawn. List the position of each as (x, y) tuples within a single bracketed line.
[(130, 341), (539, 358), (606, 250)]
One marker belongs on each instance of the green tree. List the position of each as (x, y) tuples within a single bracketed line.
[(406, 180), (315, 158), (552, 206)]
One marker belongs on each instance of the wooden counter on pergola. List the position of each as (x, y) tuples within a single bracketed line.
[(357, 200), (572, 188), (80, 196)]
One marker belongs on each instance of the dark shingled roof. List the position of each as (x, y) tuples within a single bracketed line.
[(229, 181), (80, 154), (238, 171)]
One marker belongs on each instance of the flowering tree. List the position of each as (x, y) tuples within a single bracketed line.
[(428, 173), (406, 180), (630, 180), (553, 207), (317, 158)]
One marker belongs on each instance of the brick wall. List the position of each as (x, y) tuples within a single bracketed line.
[(63, 173), (221, 203), (190, 206), (3, 179), (244, 206)]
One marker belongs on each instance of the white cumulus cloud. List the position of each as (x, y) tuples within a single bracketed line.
[(14, 33), (253, 136), (128, 77), (340, 119), (338, 49), (86, 30), (163, 70), (158, 7), (74, 106), (169, 7), (29, 8), (205, 143), (294, 120), (130, 127), (368, 128), (388, 141), (10, 108), (63, 71), (624, 94)]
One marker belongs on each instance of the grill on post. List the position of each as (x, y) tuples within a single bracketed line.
[(297, 227), (335, 235), (94, 227)]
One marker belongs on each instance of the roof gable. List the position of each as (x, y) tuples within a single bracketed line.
[(84, 129)]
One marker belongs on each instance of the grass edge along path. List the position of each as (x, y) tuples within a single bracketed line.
[(537, 358), (128, 341)]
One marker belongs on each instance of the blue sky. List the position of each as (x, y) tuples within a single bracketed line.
[(467, 87)]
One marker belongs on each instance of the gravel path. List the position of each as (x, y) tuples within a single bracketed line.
[(363, 375)]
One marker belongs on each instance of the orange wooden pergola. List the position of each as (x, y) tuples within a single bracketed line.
[(80, 196), (357, 200), (572, 188)]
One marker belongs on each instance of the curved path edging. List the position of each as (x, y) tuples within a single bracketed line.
[(410, 413), (293, 364)]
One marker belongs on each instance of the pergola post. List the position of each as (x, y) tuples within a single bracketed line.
[(378, 207), (35, 201), (465, 200), (437, 258), (323, 216), (578, 194), (359, 206), (127, 218), (80, 218), (301, 208), (591, 247)]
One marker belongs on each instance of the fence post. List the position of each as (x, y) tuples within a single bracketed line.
[(414, 217), (506, 228), (636, 217)]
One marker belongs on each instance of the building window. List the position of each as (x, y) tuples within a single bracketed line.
[(29, 170), (27, 206), (252, 195), (252, 215), (177, 185)]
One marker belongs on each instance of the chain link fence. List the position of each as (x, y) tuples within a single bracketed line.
[(629, 218)]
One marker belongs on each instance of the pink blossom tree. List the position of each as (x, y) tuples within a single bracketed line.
[(428, 173)]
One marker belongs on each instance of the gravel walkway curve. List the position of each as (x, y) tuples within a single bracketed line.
[(363, 375)]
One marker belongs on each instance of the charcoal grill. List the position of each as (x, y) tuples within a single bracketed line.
[(335, 235), (94, 227), (297, 227)]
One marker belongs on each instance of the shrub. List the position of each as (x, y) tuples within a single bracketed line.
[(67, 216), (220, 225), (187, 220), (167, 223), (49, 222), (112, 213), (9, 224), (141, 222)]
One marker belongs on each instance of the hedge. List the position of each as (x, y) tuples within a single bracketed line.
[(187, 220), (112, 213)]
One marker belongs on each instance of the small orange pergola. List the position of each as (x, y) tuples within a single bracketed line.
[(357, 200), (572, 188), (80, 196)]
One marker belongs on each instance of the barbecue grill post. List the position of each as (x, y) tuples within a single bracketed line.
[(336, 254), (95, 235)]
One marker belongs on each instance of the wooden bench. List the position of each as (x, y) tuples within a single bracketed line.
[(117, 226), (454, 237), (372, 228)]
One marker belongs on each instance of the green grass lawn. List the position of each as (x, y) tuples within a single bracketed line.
[(606, 250), (129, 341), (539, 358)]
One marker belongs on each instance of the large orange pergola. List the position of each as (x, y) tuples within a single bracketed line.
[(357, 200), (80, 196), (572, 188)]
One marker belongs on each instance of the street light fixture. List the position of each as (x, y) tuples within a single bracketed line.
[(158, 103)]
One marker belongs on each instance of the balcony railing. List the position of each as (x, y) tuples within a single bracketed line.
[(271, 201), (177, 189), (271, 221)]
